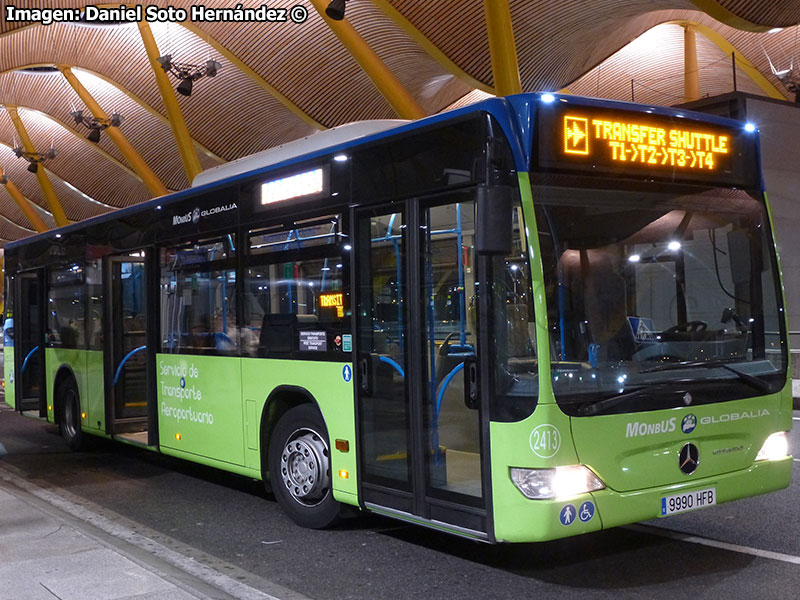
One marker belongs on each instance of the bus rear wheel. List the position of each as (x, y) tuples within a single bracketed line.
[(69, 423), (300, 468)]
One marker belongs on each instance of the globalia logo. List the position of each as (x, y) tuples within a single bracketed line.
[(688, 424)]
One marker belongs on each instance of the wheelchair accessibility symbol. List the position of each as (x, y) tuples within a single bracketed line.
[(586, 512)]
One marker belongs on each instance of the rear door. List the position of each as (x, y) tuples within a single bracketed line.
[(30, 343), (126, 347)]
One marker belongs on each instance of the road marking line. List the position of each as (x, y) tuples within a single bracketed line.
[(694, 539)]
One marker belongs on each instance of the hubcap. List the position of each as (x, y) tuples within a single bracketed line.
[(305, 467)]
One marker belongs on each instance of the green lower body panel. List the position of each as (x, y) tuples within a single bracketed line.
[(630, 507), (541, 520)]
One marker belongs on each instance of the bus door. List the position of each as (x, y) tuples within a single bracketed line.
[(29, 345), (126, 348), (417, 346)]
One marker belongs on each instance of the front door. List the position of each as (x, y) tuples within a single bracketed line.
[(421, 444), (126, 354), (29, 345)]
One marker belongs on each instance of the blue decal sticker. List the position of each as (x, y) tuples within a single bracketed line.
[(586, 511), (688, 424), (183, 382), (567, 515), (347, 373)]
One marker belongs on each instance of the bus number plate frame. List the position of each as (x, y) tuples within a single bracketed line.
[(688, 501)]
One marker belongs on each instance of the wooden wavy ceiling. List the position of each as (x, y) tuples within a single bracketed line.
[(595, 47)]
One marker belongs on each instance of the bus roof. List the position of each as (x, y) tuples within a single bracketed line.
[(306, 145)]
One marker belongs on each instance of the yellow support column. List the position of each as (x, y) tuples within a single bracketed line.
[(388, 85), (41, 175), (190, 161), (505, 67), (23, 203), (144, 171), (691, 74)]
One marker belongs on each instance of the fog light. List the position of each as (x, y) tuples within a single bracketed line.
[(555, 484), (775, 447)]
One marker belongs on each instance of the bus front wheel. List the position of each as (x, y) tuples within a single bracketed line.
[(300, 468), (69, 422)]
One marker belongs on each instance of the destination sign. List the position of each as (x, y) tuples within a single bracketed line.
[(333, 300), (631, 143)]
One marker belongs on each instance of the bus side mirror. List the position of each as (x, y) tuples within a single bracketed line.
[(493, 232)]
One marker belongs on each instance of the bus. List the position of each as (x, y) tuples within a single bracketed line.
[(533, 317)]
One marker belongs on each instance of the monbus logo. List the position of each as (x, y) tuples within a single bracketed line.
[(195, 215), (640, 429), (181, 219)]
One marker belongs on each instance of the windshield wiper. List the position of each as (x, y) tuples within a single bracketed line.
[(759, 384), (603, 405)]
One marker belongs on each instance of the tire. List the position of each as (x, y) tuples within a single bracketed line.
[(300, 468), (69, 423)]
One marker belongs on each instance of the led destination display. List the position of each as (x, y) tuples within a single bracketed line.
[(611, 141), (629, 141)]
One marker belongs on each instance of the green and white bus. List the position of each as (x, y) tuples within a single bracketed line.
[(533, 317)]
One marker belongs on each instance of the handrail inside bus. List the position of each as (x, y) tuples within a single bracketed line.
[(122, 364), (392, 362), (443, 389), (25, 362), (435, 420)]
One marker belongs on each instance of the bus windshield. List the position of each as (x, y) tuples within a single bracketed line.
[(658, 298)]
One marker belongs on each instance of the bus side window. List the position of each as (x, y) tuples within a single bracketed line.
[(297, 305), (66, 298), (198, 284), (295, 294)]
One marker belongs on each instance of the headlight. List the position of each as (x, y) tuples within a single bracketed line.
[(558, 483), (775, 447)]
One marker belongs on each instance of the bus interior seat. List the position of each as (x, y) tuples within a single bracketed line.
[(278, 331)]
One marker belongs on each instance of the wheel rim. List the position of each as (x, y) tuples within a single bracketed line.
[(70, 414), (305, 467)]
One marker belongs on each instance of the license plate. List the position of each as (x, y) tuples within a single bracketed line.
[(679, 503)]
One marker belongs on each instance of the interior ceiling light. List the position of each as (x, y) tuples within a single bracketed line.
[(35, 158), (95, 125), (335, 10), (188, 73)]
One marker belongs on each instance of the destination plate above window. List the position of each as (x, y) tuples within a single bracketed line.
[(628, 143), (687, 501)]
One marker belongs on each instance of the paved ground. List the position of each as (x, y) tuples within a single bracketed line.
[(229, 526)]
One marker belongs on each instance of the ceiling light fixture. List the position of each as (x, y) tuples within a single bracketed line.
[(788, 77), (188, 73), (335, 10), (95, 125), (35, 158)]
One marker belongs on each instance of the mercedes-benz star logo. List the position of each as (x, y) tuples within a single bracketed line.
[(688, 459)]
